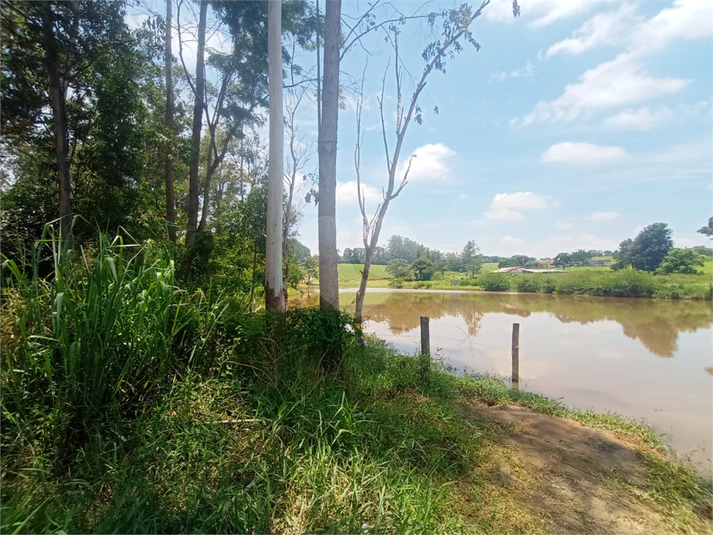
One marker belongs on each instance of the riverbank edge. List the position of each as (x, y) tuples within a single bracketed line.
[(439, 286)]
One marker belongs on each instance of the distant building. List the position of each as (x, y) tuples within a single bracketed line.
[(546, 262), (599, 263), (520, 269), (516, 269)]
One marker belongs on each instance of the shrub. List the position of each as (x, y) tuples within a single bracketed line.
[(396, 282), (495, 282), (527, 284), (626, 284), (548, 284)]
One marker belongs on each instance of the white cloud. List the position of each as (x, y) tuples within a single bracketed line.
[(510, 240), (561, 225), (685, 19), (520, 200), (503, 215), (641, 119), (583, 241), (623, 80), (582, 152), (560, 240), (604, 216), (613, 83), (602, 29), (645, 119), (507, 206), (347, 193), (540, 12), (430, 163), (590, 241), (526, 72)]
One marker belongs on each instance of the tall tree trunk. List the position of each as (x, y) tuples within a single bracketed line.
[(274, 288), (242, 178), (286, 230), (327, 150), (58, 101), (369, 248), (211, 166), (219, 190), (197, 124), (206, 195), (170, 195), (252, 279)]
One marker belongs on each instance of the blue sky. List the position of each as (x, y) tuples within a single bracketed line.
[(573, 127)]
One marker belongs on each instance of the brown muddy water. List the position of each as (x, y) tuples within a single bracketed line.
[(640, 358)]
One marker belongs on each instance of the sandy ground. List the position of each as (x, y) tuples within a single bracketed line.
[(582, 480)]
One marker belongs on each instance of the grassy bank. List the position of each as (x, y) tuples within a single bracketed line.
[(132, 405), (597, 281)]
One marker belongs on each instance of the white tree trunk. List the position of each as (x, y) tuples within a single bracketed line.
[(274, 288), (170, 195), (327, 149)]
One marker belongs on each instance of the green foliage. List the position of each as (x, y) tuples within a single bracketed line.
[(528, 283), (398, 268), (563, 260), (651, 246), (472, 260), (92, 342), (310, 268), (396, 283), (495, 282), (300, 251), (708, 229), (680, 261), (421, 267)]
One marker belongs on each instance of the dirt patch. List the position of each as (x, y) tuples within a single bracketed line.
[(580, 480)]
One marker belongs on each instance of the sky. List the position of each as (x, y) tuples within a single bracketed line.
[(574, 126)]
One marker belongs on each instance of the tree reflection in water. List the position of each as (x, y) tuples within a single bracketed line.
[(655, 323)]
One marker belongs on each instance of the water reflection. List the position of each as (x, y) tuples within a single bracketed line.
[(599, 353), (655, 323)]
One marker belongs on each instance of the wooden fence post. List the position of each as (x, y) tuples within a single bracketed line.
[(516, 356), (425, 357)]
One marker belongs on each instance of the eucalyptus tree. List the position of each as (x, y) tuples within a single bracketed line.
[(274, 285), (327, 150), (168, 69)]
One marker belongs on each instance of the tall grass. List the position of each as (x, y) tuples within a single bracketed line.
[(89, 343)]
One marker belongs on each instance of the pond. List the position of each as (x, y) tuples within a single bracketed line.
[(640, 358)]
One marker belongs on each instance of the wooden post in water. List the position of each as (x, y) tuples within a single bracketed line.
[(425, 357), (516, 356)]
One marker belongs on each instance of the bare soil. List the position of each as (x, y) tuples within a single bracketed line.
[(582, 480)]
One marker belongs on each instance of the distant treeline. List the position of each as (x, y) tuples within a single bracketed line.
[(409, 250)]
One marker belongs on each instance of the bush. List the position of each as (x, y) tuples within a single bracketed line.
[(396, 282), (527, 283), (495, 282), (548, 283)]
